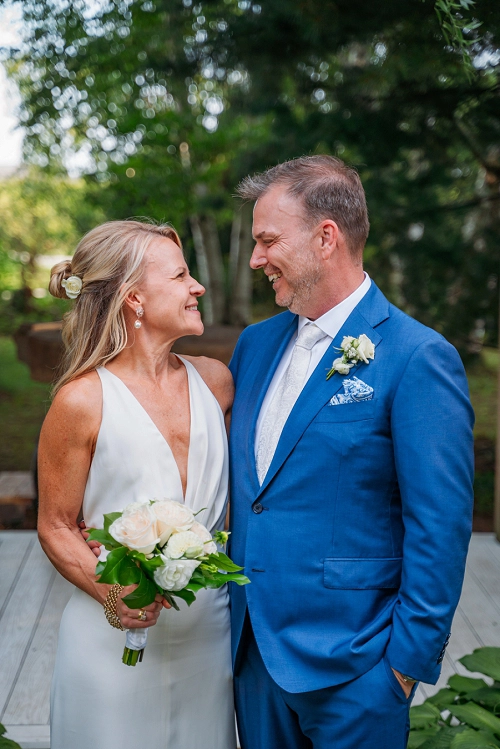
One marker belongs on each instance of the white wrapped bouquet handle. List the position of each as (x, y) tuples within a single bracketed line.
[(135, 642)]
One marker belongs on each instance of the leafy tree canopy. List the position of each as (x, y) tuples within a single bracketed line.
[(170, 103)]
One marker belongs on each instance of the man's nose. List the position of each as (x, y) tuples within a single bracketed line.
[(258, 259)]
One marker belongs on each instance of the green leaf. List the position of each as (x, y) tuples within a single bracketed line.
[(128, 572), (465, 684), (443, 738), (103, 537), (143, 595), (186, 595), (424, 716), (109, 573), (417, 738), (223, 562), (476, 716), (484, 661), (235, 578), (489, 696), (443, 698), (167, 595), (470, 739), (195, 586), (109, 518)]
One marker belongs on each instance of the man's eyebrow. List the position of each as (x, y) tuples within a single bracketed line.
[(263, 234), (180, 268)]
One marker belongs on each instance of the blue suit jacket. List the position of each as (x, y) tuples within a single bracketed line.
[(356, 541)]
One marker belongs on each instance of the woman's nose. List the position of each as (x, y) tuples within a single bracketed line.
[(198, 289)]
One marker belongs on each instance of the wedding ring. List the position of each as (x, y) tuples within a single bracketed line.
[(142, 616)]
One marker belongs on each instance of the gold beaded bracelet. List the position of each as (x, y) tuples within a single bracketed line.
[(110, 606)]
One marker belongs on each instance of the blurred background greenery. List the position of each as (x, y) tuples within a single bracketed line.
[(158, 109)]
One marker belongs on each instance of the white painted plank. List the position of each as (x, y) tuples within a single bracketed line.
[(29, 702), (30, 737), (13, 548), (479, 610), (20, 617)]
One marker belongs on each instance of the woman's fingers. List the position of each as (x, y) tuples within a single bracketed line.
[(130, 617)]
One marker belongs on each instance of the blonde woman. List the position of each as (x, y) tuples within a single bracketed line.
[(130, 420)]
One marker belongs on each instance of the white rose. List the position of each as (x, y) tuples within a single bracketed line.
[(366, 349), (186, 544), (175, 573), (172, 517), (346, 342), (204, 534), (136, 528), (73, 286), (341, 367)]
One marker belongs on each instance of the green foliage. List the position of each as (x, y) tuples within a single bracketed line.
[(23, 405), (464, 714), (485, 661), (451, 18), (6, 743), (176, 102)]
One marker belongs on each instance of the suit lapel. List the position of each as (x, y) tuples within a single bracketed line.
[(371, 311), (271, 353)]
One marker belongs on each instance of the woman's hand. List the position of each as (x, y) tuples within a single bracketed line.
[(129, 618), (95, 546)]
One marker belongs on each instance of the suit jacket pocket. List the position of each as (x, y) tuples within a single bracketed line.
[(362, 574), (343, 412)]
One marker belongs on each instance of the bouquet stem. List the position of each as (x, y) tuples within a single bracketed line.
[(132, 657)]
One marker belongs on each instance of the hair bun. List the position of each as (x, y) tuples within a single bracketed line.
[(59, 272)]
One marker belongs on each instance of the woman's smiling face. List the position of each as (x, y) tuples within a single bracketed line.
[(168, 293)]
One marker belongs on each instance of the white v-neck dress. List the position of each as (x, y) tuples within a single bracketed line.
[(180, 696)]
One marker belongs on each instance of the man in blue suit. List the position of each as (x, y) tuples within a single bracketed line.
[(351, 493)]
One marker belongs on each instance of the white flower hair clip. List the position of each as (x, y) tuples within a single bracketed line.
[(353, 350), (73, 286)]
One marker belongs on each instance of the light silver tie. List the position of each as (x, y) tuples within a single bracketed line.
[(288, 391)]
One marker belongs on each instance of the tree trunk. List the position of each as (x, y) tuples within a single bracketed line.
[(213, 254), (203, 271), (240, 274)]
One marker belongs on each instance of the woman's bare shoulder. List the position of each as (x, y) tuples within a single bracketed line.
[(79, 399), (217, 377)]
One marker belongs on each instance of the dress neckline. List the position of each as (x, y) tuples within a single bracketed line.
[(151, 421)]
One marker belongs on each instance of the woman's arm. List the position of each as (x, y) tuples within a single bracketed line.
[(66, 448)]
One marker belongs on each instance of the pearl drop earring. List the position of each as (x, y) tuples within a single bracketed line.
[(139, 312)]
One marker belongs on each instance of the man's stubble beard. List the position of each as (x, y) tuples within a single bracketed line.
[(302, 285)]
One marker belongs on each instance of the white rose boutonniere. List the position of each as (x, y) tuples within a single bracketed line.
[(354, 350), (73, 286)]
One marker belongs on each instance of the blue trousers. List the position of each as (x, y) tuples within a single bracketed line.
[(370, 712)]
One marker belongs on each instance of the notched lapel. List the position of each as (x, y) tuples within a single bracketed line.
[(318, 390)]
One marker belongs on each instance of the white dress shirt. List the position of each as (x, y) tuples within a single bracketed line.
[(330, 323)]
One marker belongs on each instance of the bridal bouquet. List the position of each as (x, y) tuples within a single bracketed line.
[(160, 547)]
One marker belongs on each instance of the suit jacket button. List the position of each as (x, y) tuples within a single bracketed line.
[(257, 508)]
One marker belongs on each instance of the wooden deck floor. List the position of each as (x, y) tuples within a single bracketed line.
[(33, 595)]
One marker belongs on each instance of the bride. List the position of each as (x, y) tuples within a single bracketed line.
[(131, 421)]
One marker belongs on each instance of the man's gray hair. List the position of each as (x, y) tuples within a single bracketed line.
[(328, 188)]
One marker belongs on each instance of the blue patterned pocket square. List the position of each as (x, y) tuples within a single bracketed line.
[(355, 390)]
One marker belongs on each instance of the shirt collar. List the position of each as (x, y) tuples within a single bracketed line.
[(331, 322)]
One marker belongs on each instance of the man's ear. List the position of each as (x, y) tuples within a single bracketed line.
[(329, 237)]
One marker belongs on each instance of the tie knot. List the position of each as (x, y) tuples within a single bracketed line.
[(309, 335)]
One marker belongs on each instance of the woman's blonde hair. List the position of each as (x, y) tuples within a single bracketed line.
[(109, 262)]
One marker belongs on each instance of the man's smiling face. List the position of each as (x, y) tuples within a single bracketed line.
[(285, 249)]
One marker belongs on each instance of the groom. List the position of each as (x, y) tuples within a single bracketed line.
[(351, 494)]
